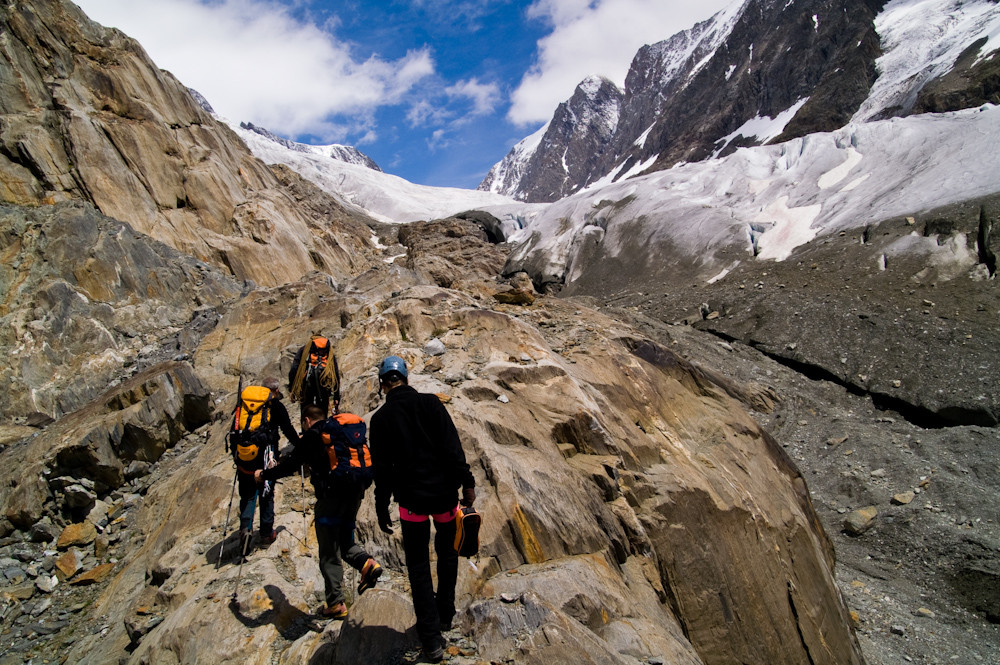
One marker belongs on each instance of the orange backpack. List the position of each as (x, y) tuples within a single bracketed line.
[(467, 523)]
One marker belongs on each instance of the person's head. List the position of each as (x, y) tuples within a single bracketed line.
[(272, 384), (311, 415), (392, 372)]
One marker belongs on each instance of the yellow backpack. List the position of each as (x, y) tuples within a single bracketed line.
[(251, 429)]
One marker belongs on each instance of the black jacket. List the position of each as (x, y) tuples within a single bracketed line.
[(308, 450), (416, 452), (280, 417)]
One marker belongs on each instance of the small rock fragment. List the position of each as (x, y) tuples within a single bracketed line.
[(903, 498), (859, 521)]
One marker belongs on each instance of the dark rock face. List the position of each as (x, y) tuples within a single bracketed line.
[(970, 82), (777, 54), (487, 222), (570, 150)]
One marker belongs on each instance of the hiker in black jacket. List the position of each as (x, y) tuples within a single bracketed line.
[(250, 494), (418, 459), (337, 503)]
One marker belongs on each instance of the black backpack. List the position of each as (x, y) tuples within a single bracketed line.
[(345, 436)]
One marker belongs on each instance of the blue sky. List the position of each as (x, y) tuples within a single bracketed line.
[(434, 91)]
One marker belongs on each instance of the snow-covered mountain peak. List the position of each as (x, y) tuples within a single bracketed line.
[(383, 196), (343, 153)]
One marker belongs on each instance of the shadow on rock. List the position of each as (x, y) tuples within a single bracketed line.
[(290, 622), (227, 551)]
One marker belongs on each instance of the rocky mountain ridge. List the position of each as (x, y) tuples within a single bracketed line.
[(545, 168), (574, 482), (807, 66)]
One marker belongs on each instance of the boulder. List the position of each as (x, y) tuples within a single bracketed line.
[(73, 535), (378, 629), (94, 575), (859, 521), (44, 531), (68, 563), (24, 503)]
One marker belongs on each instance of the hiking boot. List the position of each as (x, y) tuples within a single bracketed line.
[(337, 612), (369, 575), (267, 538), (432, 654)]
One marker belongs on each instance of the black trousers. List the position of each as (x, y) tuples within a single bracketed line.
[(318, 397), (336, 512), (433, 609)]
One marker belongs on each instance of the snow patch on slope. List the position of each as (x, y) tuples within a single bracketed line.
[(763, 129), (385, 197), (921, 40)]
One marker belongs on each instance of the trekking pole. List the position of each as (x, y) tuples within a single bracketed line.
[(225, 529), (244, 546), (302, 504), (229, 443)]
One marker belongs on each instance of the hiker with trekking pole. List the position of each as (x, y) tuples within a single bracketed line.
[(336, 451), (419, 460), (259, 420)]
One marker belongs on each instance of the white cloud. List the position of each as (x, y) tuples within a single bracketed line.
[(484, 96), (438, 140), (595, 37), (265, 66), (423, 114)]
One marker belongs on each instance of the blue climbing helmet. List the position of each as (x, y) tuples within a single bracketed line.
[(392, 364)]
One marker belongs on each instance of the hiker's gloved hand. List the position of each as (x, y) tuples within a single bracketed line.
[(468, 496), (384, 519), (258, 475)]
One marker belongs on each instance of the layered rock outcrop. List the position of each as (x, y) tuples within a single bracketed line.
[(87, 115), (87, 301)]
